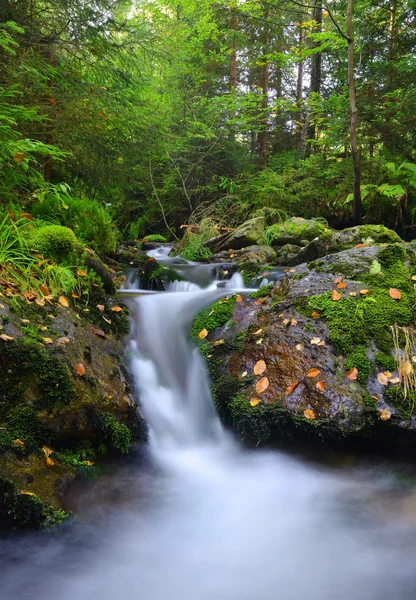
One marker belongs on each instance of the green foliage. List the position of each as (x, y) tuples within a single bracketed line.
[(214, 316), (262, 292), (358, 359), (116, 434), (192, 245), (91, 222)]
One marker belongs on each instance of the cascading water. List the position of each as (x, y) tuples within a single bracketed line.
[(199, 518)]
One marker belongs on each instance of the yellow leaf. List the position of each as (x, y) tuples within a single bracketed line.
[(395, 380), (315, 341), (335, 295), (286, 321), (395, 294), (106, 320), (385, 414), (363, 292), (244, 374), (19, 157), (299, 347), (26, 493), (388, 374), (63, 301), (47, 451), (43, 328), (259, 341), (18, 441), (262, 385), (82, 273), (293, 322), (313, 373), (25, 320), (6, 338), (406, 368), (40, 301), (321, 343), (382, 379), (309, 414), (50, 462), (203, 334), (316, 315), (259, 367), (48, 340), (255, 401), (353, 294), (63, 340), (218, 342), (116, 309), (258, 332)]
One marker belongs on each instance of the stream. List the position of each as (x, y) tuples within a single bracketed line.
[(195, 516)]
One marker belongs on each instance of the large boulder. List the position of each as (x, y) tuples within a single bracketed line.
[(248, 234), (328, 352), (296, 231)]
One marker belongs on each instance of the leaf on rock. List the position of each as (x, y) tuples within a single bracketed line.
[(62, 341), (382, 379), (203, 334), (80, 369), (258, 332), (335, 296), (312, 373), (262, 385), (299, 347), (255, 401), (320, 385), (63, 301), (100, 307), (309, 413), (244, 374), (26, 493), (48, 340), (117, 309), (352, 374), (293, 322), (395, 294), (6, 338), (291, 387), (50, 462), (47, 451), (218, 342), (341, 285), (353, 294), (259, 367), (259, 341), (338, 280), (98, 332), (238, 298), (315, 341), (385, 414)]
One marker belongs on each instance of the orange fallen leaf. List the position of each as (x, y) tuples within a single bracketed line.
[(259, 367), (203, 334), (309, 413), (116, 309), (29, 295), (47, 451), (26, 493), (335, 295), (312, 373), (293, 322), (50, 462), (291, 387), (80, 369), (75, 295), (255, 401), (19, 157), (18, 441), (44, 290), (382, 379), (338, 280), (52, 101), (341, 285), (63, 301), (364, 292), (395, 294), (315, 315), (98, 332), (238, 298), (352, 374), (262, 385), (320, 385)]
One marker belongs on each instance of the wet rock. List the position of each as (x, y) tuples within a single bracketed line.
[(248, 234)]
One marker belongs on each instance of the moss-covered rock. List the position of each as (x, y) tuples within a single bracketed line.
[(249, 233), (294, 231), (56, 242)]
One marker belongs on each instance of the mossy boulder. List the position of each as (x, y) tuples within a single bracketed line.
[(297, 325), (55, 242), (296, 230), (249, 233), (65, 398)]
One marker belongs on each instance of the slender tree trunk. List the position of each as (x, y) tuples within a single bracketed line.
[(233, 67), (353, 125), (264, 121), (316, 62), (299, 93), (47, 168)]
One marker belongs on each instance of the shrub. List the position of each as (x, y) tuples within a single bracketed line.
[(91, 222)]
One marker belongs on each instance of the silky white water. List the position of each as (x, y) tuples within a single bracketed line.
[(196, 517)]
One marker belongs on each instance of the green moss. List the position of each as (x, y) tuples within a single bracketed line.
[(116, 434), (291, 230), (30, 373), (386, 361), (250, 271), (262, 292), (55, 242), (391, 255), (359, 360), (214, 316), (154, 237)]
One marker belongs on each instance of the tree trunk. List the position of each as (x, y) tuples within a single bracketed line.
[(353, 125), (299, 93), (316, 62), (233, 68), (264, 121)]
